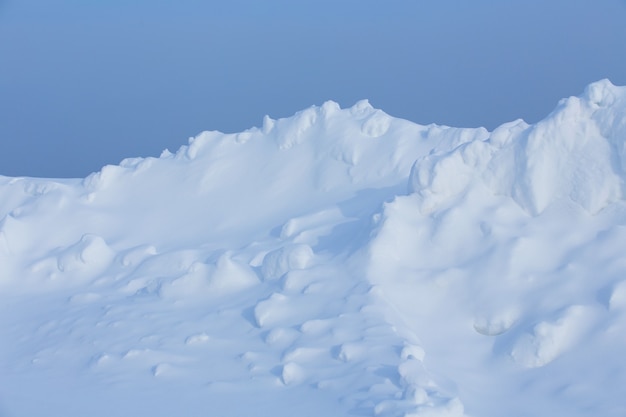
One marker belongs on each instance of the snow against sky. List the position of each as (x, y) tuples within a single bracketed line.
[(83, 84)]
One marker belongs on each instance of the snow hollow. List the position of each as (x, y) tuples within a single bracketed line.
[(340, 262)]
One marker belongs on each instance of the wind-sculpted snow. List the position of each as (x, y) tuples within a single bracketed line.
[(286, 270)]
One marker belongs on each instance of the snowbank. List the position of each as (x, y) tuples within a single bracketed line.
[(286, 270)]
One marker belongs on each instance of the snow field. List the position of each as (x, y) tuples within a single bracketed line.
[(338, 262)]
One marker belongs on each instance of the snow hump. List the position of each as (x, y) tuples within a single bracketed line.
[(578, 152)]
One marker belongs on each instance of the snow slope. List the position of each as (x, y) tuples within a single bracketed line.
[(338, 262)]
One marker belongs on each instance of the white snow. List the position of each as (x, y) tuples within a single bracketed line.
[(338, 262)]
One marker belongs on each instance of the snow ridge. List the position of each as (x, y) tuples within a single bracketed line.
[(285, 270)]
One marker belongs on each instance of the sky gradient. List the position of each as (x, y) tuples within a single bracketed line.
[(83, 84)]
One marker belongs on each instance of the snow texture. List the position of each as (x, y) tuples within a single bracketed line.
[(338, 262)]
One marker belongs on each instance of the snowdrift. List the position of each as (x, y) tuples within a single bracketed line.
[(338, 262)]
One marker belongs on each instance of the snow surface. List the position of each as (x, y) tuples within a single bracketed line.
[(339, 262)]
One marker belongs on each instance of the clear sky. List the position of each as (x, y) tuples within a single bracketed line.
[(86, 83)]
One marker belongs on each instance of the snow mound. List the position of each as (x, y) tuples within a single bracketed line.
[(285, 270), (285, 259), (516, 237), (577, 152)]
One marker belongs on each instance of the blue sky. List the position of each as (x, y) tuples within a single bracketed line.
[(84, 84)]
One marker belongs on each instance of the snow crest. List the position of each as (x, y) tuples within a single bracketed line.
[(577, 153)]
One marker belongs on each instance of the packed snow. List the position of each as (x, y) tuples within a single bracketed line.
[(340, 262)]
